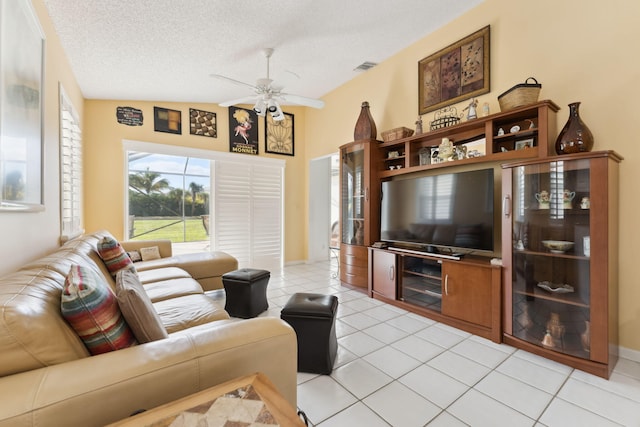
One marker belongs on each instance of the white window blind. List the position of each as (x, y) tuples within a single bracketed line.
[(70, 170), (248, 208)]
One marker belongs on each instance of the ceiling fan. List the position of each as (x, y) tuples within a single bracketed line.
[(266, 95)]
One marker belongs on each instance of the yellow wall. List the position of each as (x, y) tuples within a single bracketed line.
[(579, 51), (105, 162), (29, 235)]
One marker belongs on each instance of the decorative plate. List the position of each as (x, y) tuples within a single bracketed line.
[(556, 289)]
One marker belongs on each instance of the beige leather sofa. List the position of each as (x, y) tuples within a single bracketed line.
[(48, 378)]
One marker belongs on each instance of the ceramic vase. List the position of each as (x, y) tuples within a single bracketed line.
[(365, 126), (575, 136)]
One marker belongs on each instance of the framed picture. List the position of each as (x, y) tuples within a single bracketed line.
[(165, 120), (458, 72), (524, 143), (203, 123), (21, 111), (279, 135), (243, 131)]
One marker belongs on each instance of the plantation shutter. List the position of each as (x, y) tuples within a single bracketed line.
[(248, 213), (70, 170)]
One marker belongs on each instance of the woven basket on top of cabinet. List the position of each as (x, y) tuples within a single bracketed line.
[(519, 95)]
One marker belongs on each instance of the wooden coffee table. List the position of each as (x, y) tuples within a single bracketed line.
[(249, 399)]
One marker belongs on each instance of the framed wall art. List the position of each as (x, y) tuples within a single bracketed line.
[(203, 123), (243, 131), (21, 111), (458, 72), (279, 135), (165, 120)]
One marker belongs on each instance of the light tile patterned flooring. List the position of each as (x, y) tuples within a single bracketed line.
[(395, 368)]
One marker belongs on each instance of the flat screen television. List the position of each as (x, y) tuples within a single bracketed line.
[(447, 212)]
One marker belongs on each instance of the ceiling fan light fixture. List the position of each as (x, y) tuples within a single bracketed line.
[(277, 114), (272, 106), (260, 108)]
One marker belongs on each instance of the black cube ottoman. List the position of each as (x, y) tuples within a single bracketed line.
[(246, 291), (313, 317)]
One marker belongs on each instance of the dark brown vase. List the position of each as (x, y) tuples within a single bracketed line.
[(575, 136), (365, 126)]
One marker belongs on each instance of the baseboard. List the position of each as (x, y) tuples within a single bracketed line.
[(627, 353)]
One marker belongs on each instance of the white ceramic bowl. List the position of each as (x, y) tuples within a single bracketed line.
[(557, 246)]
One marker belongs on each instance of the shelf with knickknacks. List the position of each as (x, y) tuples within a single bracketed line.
[(526, 133)]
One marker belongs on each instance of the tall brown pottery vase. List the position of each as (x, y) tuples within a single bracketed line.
[(365, 126), (575, 136)]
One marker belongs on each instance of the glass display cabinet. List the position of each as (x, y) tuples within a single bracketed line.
[(559, 248), (359, 205)]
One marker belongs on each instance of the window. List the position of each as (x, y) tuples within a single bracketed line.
[(244, 195), (70, 170)]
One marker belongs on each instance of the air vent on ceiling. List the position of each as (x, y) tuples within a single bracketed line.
[(365, 66)]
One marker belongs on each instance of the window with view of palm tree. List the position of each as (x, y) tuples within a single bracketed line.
[(168, 197)]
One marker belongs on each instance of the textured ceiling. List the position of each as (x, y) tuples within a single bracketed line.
[(165, 50)]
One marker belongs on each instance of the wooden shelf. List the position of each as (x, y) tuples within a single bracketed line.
[(540, 113)]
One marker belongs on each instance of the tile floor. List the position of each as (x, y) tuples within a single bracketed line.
[(395, 368)]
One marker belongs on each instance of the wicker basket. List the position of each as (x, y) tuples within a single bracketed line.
[(521, 94), (397, 133)]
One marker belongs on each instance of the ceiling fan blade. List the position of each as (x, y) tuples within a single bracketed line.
[(244, 100), (301, 100), (234, 81)]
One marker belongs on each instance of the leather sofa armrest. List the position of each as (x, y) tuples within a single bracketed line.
[(102, 389), (164, 245)]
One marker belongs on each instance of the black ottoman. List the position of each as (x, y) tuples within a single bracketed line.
[(246, 291), (313, 317)]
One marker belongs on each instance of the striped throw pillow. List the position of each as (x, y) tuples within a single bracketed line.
[(114, 256), (91, 308)]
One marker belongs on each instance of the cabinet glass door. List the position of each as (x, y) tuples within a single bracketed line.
[(353, 196), (421, 282), (551, 255)]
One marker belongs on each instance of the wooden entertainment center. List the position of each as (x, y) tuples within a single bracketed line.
[(560, 303)]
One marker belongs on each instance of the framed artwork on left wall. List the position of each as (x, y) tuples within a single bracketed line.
[(21, 111)]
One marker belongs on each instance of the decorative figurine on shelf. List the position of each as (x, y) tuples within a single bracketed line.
[(567, 198), (543, 199), (485, 109), (471, 108), (419, 125), (500, 132), (424, 154), (531, 124), (585, 203), (445, 150), (547, 341)]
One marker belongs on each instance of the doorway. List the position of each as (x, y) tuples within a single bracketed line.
[(324, 196)]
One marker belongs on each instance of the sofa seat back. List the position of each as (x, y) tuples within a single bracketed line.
[(33, 332)]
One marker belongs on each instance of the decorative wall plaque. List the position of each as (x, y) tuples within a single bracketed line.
[(129, 116)]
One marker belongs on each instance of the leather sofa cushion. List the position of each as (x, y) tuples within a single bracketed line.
[(160, 274), (187, 311), (198, 265), (137, 309), (172, 288)]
